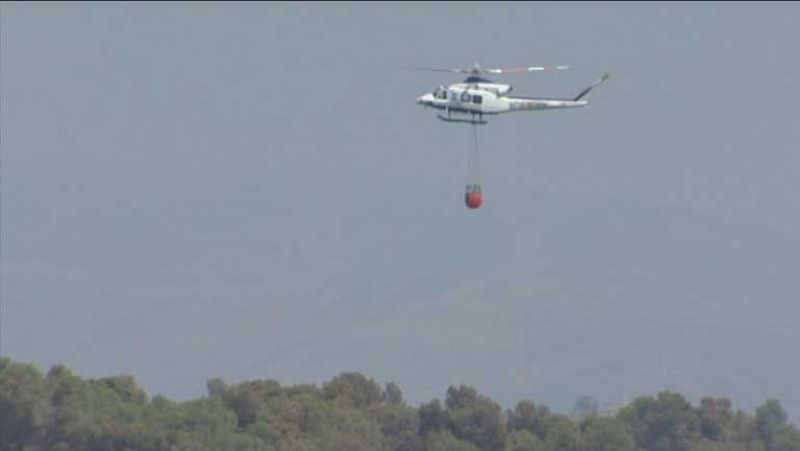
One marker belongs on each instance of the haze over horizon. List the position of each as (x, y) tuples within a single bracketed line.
[(245, 191)]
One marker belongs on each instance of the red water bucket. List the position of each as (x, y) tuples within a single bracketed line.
[(473, 197)]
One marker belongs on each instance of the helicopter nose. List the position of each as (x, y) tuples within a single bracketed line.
[(425, 99)]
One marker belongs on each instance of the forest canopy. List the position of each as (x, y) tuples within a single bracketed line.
[(62, 411)]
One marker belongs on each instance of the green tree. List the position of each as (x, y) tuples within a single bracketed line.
[(523, 440), (714, 418), (785, 438), (93, 414), (528, 416), (342, 428), (476, 418), (393, 394), (125, 386), (206, 424), (216, 387), (432, 418), (446, 441), (286, 420), (461, 396), (246, 399), (562, 434), (23, 405), (668, 423), (353, 389), (400, 426), (770, 416), (605, 434)]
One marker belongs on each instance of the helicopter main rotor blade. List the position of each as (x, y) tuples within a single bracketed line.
[(453, 71), (519, 70), (500, 70)]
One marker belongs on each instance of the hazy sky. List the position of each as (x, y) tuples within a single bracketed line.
[(249, 191)]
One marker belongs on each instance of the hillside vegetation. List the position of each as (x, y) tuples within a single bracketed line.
[(61, 411)]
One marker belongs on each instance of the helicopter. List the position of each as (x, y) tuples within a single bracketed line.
[(478, 96)]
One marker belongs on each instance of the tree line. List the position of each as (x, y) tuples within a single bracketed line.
[(61, 411)]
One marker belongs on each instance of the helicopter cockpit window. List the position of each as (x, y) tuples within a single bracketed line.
[(440, 93), (465, 97)]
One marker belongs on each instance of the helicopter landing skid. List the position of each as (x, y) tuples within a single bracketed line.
[(463, 121)]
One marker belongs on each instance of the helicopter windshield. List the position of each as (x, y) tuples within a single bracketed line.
[(440, 93)]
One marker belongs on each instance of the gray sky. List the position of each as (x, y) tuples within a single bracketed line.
[(249, 191)]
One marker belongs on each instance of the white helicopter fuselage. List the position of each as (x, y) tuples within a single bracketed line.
[(489, 98), (477, 97)]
